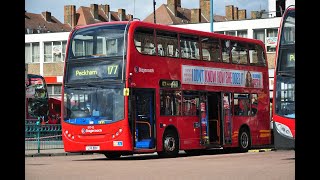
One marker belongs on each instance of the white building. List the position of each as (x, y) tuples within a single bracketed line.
[(44, 55), (273, 6)]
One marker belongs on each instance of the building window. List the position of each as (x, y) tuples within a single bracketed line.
[(242, 33), (54, 51), (48, 52), (219, 32), (271, 39), (231, 33), (259, 34), (54, 89), (32, 52)]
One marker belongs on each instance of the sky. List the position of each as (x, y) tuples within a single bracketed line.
[(138, 8)]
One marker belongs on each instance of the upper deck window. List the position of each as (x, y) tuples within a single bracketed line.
[(167, 44), (256, 55), (239, 53), (211, 49), (97, 41), (144, 41), (225, 48), (189, 47), (289, 31)]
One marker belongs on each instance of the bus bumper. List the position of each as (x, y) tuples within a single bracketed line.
[(282, 142)]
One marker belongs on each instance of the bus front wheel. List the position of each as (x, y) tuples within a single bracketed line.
[(244, 140), (170, 144)]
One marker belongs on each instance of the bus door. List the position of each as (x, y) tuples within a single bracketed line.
[(226, 117), (204, 119), (214, 119), (144, 120)]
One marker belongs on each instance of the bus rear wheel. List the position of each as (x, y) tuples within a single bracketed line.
[(170, 144), (244, 140), (112, 155)]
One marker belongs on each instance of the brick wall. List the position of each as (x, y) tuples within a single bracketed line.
[(229, 12), (242, 14), (270, 59), (53, 69), (34, 68)]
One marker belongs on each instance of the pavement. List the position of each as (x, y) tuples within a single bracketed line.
[(50, 152), (61, 152)]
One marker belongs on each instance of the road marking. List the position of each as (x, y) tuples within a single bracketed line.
[(260, 150)]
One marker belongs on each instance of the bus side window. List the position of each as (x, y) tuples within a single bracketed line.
[(189, 47), (170, 103), (254, 104), (256, 55), (144, 41), (167, 43), (210, 49), (184, 49), (137, 43), (225, 47), (236, 107), (239, 53), (190, 103), (241, 104)]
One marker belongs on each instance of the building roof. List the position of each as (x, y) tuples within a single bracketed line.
[(37, 22), (165, 16), (86, 17)]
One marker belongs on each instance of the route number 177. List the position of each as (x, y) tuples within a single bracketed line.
[(112, 69)]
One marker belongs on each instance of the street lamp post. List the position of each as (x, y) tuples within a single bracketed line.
[(211, 15), (154, 11)]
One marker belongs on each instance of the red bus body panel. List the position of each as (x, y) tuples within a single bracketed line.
[(77, 137)]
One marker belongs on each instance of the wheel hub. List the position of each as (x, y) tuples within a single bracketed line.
[(169, 144), (244, 140)]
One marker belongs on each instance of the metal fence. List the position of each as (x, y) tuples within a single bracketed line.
[(42, 136)]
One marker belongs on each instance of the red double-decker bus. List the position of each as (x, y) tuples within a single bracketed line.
[(36, 98), (284, 84), (38, 103), (136, 87)]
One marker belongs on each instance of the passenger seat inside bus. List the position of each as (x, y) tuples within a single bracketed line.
[(160, 50)]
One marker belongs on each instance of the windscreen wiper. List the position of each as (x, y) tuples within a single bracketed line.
[(286, 74)]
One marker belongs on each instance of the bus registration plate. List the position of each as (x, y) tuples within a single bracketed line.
[(92, 148)]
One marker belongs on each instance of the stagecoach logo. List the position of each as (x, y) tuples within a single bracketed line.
[(90, 130), (139, 69), (83, 130)]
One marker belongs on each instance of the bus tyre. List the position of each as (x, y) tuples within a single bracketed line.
[(112, 155), (170, 144), (244, 140)]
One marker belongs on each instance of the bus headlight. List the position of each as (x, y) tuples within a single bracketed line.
[(283, 130)]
